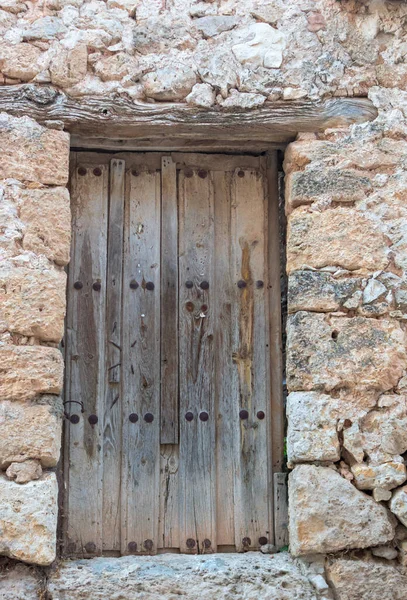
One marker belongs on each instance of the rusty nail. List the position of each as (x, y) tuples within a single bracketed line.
[(78, 285), (246, 541), (133, 284), (93, 419), (260, 414), (204, 285), (202, 173), (263, 540), (207, 543), (149, 417), (150, 286), (191, 543), (243, 414), (97, 286), (203, 416), (133, 418), (97, 172), (189, 284), (132, 546), (90, 547), (188, 172), (189, 306), (259, 284), (240, 173), (135, 173), (74, 419), (189, 416), (82, 171), (241, 284), (148, 544)]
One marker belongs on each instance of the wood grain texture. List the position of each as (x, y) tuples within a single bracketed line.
[(168, 534), (280, 510), (141, 363), (85, 357), (123, 118)]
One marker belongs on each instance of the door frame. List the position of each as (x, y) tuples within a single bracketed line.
[(269, 152)]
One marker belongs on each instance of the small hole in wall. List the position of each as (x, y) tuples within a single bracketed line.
[(334, 335)]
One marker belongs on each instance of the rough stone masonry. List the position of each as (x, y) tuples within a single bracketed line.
[(346, 204)]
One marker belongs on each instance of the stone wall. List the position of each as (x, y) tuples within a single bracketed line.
[(346, 193)]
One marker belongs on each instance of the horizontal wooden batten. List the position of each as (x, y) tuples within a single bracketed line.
[(120, 118)]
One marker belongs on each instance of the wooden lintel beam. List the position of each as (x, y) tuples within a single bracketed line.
[(120, 118)]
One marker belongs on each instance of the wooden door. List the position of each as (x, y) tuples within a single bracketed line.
[(169, 430)]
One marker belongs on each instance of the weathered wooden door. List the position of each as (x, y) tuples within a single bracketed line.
[(169, 424)]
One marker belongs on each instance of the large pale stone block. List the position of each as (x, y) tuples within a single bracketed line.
[(168, 84), (398, 504), (32, 298), (366, 579), (30, 152), (328, 514), (319, 291), (325, 352), (343, 237), (28, 519), (19, 582), (19, 61), (27, 371), (69, 66), (30, 431)]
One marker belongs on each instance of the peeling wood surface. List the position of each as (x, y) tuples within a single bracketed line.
[(121, 118)]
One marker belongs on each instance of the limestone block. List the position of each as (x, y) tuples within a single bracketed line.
[(161, 33), (259, 45), (31, 152), (325, 352), (328, 514), (319, 291), (398, 504), (386, 476), (167, 83), (202, 94), (219, 70), (241, 100), (214, 25), (342, 237), (28, 519), (19, 582), (25, 471), (312, 420), (117, 66), (30, 431), (32, 299), (46, 28), (336, 185), (46, 215), (27, 371), (19, 61), (385, 429), (387, 552), (269, 11), (360, 579), (69, 66)]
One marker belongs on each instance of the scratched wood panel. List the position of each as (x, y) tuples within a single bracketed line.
[(141, 363), (169, 303), (196, 363), (226, 403), (112, 425), (168, 531), (85, 356), (251, 358)]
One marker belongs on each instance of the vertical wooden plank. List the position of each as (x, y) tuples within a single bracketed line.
[(141, 364), (168, 533), (112, 410), (253, 524), (280, 510), (196, 363), (226, 403), (85, 356), (169, 302)]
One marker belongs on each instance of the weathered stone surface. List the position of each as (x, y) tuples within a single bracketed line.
[(32, 298), (387, 552), (214, 25), (202, 94), (28, 519), (19, 61), (27, 371), (386, 476), (31, 152), (325, 352), (221, 576), (241, 100), (335, 185), (30, 431), (25, 471), (117, 66), (398, 504), (328, 514), (360, 579), (45, 28), (342, 237), (69, 66), (167, 84), (259, 45), (319, 291), (19, 582)]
